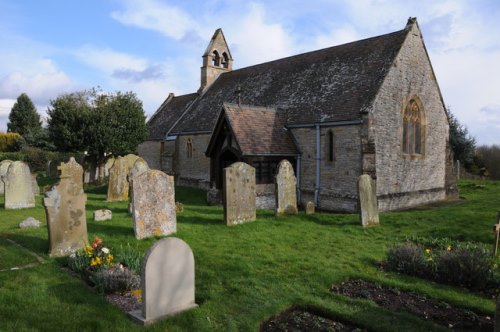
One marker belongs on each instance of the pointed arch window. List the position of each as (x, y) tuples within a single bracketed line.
[(413, 128), (330, 147), (189, 148)]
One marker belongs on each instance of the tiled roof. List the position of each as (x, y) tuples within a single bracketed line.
[(259, 130), (167, 114), (332, 84)]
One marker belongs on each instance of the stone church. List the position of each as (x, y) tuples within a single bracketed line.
[(368, 107)]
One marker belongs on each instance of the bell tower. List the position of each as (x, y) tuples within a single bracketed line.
[(216, 60)]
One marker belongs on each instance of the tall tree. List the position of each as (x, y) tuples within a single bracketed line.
[(97, 123), (24, 119), (461, 142)]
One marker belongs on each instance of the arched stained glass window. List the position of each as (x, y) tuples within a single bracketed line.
[(189, 148), (412, 129)]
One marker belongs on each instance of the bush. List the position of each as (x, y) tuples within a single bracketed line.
[(469, 267), (408, 258), (10, 142), (37, 158), (463, 264), (130, 258)]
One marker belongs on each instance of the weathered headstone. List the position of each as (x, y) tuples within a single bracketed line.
[(140, 166), (286, 189), (65, 211), (109, 163), (4, 165), (239, 194), (18, 186), (310, 208), (29, 222), (496, 232), (154, 204), (368, 201), (36, 188), (52, 170), (167, 281), (102, 215), (131, 159), (118, 185)]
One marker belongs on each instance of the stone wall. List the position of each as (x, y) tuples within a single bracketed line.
[(150, 151), (192, 171), (338, 187), (401, 181)]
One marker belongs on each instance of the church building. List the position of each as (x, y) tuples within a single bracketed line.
[(372, 106)]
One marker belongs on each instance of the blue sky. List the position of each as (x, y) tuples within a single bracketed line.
[(154, 47)]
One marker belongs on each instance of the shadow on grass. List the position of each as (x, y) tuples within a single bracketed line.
[(33, 243), (201, 221), (110, 229)]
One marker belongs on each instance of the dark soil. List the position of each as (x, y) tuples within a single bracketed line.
[(418, 305), (126, 302), (296, 319)]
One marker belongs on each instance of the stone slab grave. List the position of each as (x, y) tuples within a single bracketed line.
[(140, 166), (65, 211), (368, 201), (118, 185), (154, 212), (286, 189), (239, 194), (29, 222), (310, 208), (167, 281), (18, 186), (103, 215), (4, 165)]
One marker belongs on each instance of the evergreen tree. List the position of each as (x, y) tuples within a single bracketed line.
[(24, 119), (462, 144)]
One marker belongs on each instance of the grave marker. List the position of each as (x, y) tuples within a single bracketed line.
[(4, 166), (167, 281), (286, 189), (368, 201), (239, 194), (18, 186)]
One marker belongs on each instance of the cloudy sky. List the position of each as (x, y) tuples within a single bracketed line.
[(154, 47)]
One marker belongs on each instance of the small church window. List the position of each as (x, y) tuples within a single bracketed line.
[(189, 148), (331, 152), (412, 129), (215, 59)]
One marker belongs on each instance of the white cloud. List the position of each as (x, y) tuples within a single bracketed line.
[(108, 61), (171, 21)]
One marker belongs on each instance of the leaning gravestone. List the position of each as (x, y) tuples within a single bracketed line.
[(167, 281), (286, 189), (368, 201), (239, 194), (4, 166), (18, 186), (154, 204), (118, 185), (140, 166), (65, 210)]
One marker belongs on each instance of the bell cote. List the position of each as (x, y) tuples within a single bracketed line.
[(216, 60)]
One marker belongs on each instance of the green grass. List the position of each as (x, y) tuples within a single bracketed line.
[(246, 273)]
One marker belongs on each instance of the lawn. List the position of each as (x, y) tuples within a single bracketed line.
[(246, 273)]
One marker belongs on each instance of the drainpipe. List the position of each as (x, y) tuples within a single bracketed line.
[(318, 165), (298, 178)]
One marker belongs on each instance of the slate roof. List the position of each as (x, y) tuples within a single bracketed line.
[(259, 130), (167, 114), (332, 84)]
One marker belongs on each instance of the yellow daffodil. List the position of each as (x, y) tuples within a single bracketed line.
[(96, 261), (88, 250), (427, 251), (448, 248), (109, 259)]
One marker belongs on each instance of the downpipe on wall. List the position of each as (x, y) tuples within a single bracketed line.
[(318, 165)]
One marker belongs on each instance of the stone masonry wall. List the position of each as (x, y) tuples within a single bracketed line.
[(150, 151), (194, 171), (404, 182), (338, 191)]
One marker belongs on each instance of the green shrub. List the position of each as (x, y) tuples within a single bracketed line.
[(37, 158), (130, 258), (10, 142), (470, 267), (408, 258)]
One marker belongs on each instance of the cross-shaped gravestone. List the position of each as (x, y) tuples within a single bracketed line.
[(496, 230)]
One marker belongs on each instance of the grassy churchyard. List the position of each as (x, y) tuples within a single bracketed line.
[(244, 274)]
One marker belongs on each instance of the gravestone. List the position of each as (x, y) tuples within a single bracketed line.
[(103, 215), (36, 188), (4, 165), (154, 204), (310, 208), (109, 163), (131, 159), (140, 166), (286, 189), (29, 222), (65, 211), (368, 200), (18, 186), (167, 281), (118, 185), (239, 194)]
